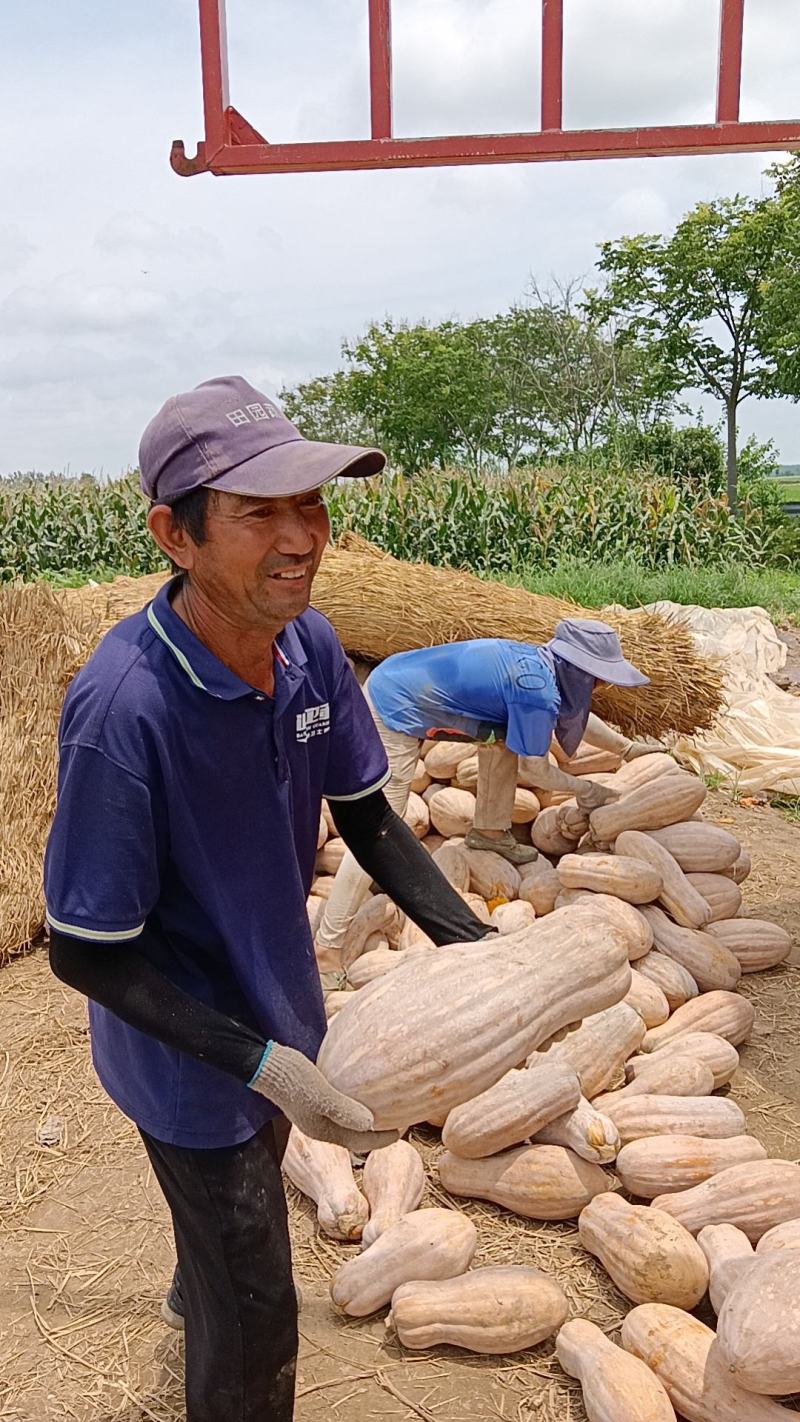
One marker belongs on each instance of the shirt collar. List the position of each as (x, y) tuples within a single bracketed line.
[(198, 662)]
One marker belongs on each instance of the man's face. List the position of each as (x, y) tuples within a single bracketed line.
[(259, 556)]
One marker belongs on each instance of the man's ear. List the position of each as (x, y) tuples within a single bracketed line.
[(170, 537)]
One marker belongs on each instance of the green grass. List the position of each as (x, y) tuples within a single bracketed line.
[(790, 490), (596, 584)]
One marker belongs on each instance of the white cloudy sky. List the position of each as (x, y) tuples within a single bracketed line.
[(121, 283)]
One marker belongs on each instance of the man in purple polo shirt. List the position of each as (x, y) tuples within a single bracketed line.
[(195, 748)]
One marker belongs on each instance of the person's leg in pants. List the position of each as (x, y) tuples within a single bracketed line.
[(497, 786), (352, 884), (231, 1233)]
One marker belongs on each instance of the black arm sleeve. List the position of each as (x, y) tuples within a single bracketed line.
[(121, 978), (387, 850)]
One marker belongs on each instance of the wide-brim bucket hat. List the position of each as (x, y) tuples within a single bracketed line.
[(595, 648)]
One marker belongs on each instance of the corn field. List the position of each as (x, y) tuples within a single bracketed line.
[(73, 529)]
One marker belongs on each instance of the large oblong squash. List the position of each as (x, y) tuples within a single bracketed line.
[(725, 1014), (707, 1047), (323, 1172), (675, 981), (647, 999), (664, 801), (428, 1244), (616, 1386), (540, 1182), (654, 1165), (393, 1181), (500, 1309), (622, 876), (628, 918), (668, 1076), (650, 1257), (756, 943), (652, 1115), (643, 770), (678, 896), (597, 1049), (710, 963), (444, 1027), (681, 1352), (723, 895), (517, 1106), (755, 1197), (490, 875), (585, 1130), (728, 1251), (700, 848), (782, 1236), (758, 1329)]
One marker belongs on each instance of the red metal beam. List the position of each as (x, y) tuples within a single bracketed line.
[(729, 75), (683, 139), (380, 67), (552, 63), (214, 59)]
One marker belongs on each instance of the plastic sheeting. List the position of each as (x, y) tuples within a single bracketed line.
[(755, 743)]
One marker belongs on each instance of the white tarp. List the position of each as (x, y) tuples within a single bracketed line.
[(755, 744)]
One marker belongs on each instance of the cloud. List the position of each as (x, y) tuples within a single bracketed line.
[(135, 234), (15, 249)]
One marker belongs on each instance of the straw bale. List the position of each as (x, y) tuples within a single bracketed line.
[(380, 606), (41, 647)]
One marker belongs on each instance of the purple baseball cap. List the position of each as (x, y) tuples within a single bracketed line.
[(228, 435)]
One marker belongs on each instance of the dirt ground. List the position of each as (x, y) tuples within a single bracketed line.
[(86, 1249)]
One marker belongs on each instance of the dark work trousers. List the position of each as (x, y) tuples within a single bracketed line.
[(232, 1239)]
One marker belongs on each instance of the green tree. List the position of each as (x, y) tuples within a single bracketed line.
[(322, 408), (705, 299)]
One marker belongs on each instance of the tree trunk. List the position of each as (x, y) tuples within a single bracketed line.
[(732, 464)]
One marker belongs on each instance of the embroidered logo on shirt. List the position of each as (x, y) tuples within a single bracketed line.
[(314, 721)]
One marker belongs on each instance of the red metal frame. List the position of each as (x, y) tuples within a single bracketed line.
[(231, 145)]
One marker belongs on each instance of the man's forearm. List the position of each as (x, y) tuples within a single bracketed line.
[(388, 851), (604, 737), (120, 977), (546, 776)]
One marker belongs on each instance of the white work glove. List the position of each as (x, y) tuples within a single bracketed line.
[(637, 748), (591, 795), (298, 1088)]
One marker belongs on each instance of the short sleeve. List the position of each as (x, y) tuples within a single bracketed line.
[(102, 859), (357, 762)]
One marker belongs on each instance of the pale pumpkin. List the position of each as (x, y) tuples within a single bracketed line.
[(330, 856), (653, 1115), (728, 1252), (516, 1107), (490, 875), (376, 915), (417, 816), (654, 1165), (421, 779), (616, 1386), (585, 1130), (322, 834), (710, 963), (668, 1076), (539, 1182), (756, 1197), (323, 1172), (452, 811), (669, 798), (466, 777), (592, 760), (726, 1014), (548, 835), (393, 1182), (444, 757), (479, 907), (323, 886), (647, 999), (629, 919), (649, 1257), (598, 1048), (700, 848), (526, 806), (782, 1236), (677, 894), (539, 886), (758, 1329), (427, 1244), (756, 943), (675, 981), (448, 1024), (707, 1047), (622, 876), (373, 965), (681, 1352), (722, 895), (497, 1310), (452, 860), (643, 770), (510, 918), (334, 1002), (741, 869)]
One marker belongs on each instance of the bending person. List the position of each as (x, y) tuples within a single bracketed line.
[(509, 697)]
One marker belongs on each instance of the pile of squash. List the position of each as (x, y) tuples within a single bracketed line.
[(579, 1050)]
